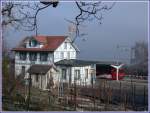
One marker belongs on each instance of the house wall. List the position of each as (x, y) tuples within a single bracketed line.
[(63, 50), (84, 80), (27, 63), (44, 79), (41, 81), (57, 76), (71, 75)]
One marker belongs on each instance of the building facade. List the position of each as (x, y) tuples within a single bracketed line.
[(43, 52), (80, 71)]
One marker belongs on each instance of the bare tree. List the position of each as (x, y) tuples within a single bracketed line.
[(89, 11), (140, 58), (21, 15), (24, 15)]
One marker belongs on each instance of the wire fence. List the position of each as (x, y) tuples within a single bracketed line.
[(104, 97)]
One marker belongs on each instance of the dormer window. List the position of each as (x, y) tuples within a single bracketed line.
[(32, 43)]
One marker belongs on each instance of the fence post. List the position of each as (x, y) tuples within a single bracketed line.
[(120, 91), (132, 91), (134, 96), (144, 98), (125, 100), (75, 88), (99, 96)]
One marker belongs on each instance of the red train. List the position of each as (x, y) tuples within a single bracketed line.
[(109, 72)]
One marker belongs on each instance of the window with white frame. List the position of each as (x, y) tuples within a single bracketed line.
[(86, 73), (43, 56), (62, 55), (33, 56), (22, 56), (92, 78), (64, 74), (32, 43), (65, 45), (77, 74), (68, 55), (92, 66)]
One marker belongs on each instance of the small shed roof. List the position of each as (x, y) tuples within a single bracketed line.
[(39, 69), (74, 63)]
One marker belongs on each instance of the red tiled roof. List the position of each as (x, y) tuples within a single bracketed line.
[(51, 43), (42, 39)]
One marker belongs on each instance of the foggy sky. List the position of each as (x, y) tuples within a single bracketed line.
[(125, 24)]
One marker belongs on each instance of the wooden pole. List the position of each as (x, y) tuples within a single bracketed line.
[(134, 95), (144, 98), (29, 93), (75, 93), (125, 100), (120, 91)]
